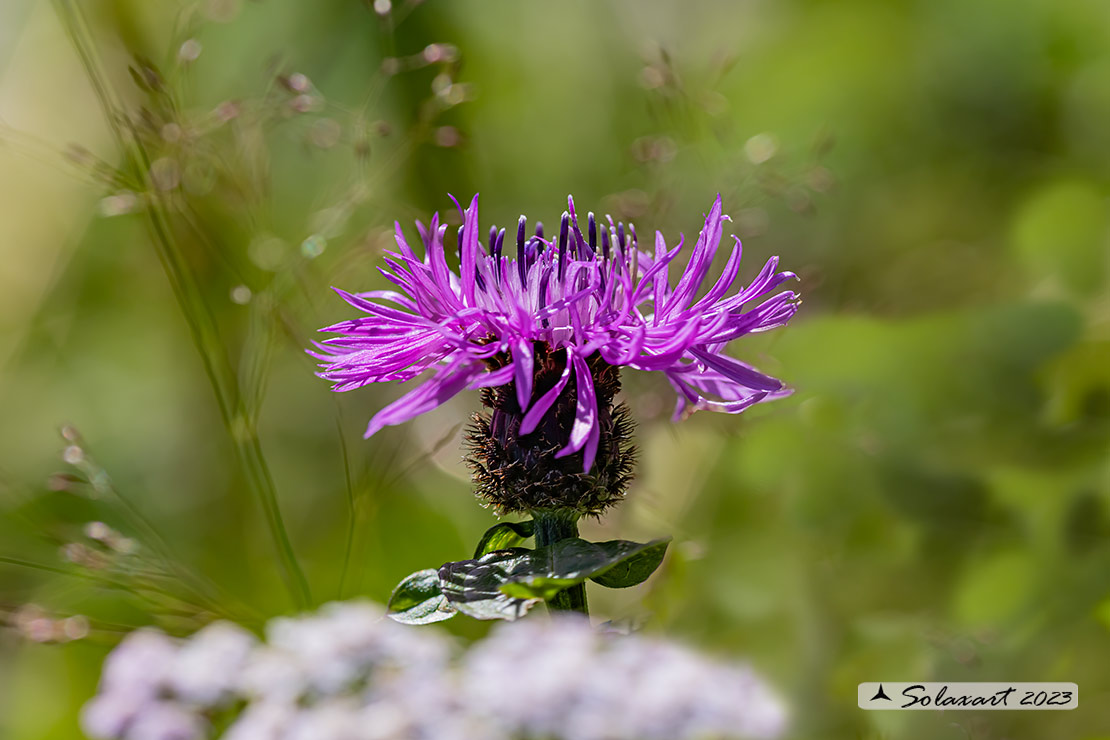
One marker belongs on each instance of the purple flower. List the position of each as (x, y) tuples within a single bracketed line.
[(563, 309)]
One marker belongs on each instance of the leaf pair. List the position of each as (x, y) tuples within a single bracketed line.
[(504, 581)]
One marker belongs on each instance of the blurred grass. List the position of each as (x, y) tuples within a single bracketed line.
[(931, 504)]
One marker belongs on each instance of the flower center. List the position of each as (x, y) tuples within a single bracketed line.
[(520, 472)]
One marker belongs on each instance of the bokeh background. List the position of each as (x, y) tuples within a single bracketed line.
[(931, 504)]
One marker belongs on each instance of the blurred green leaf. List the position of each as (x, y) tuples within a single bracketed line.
[(504, 535), (419, 600), (1061, 232), (1078, 384), (995, 586)]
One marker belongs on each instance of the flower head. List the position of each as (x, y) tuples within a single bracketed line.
[(545, 332)]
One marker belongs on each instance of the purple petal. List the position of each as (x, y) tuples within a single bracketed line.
[(732, 269), (700, 261), (442, 387), (649, 275), (455, 323), (492, 378), (399, 237), (522, 369), (661, 283), (540, 407), (738, 371), (586, 430), (468, 252)]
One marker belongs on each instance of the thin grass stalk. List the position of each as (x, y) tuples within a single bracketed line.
[(352, 511), (198, 316)]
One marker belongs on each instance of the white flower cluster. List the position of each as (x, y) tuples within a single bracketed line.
[(346, 673), (561, 679)]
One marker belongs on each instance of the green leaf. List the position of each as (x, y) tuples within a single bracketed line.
[(474, 586), (636, 567), (571, 561), (504, 584), (503, 536), (419, 599)]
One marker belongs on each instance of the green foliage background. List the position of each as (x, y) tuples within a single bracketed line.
[(931, 504)]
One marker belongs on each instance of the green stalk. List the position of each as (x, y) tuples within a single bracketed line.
[(198, 315), (551, 527)]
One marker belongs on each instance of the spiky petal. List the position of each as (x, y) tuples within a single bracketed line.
[(479, 327)]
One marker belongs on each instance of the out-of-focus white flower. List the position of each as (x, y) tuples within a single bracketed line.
[(583, 686), (264, 720), (136, 674), (204, 670), (343, 641), (139, 665), (345, 673), (539, 697), (272, 675), (335, 719), (164, 720), (109, 714)]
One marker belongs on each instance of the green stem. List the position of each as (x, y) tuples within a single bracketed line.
[(552, 526)]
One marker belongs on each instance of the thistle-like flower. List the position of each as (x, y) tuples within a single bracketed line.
[(544, 335)]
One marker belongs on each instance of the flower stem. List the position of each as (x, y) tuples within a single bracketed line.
[(551, 527)]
